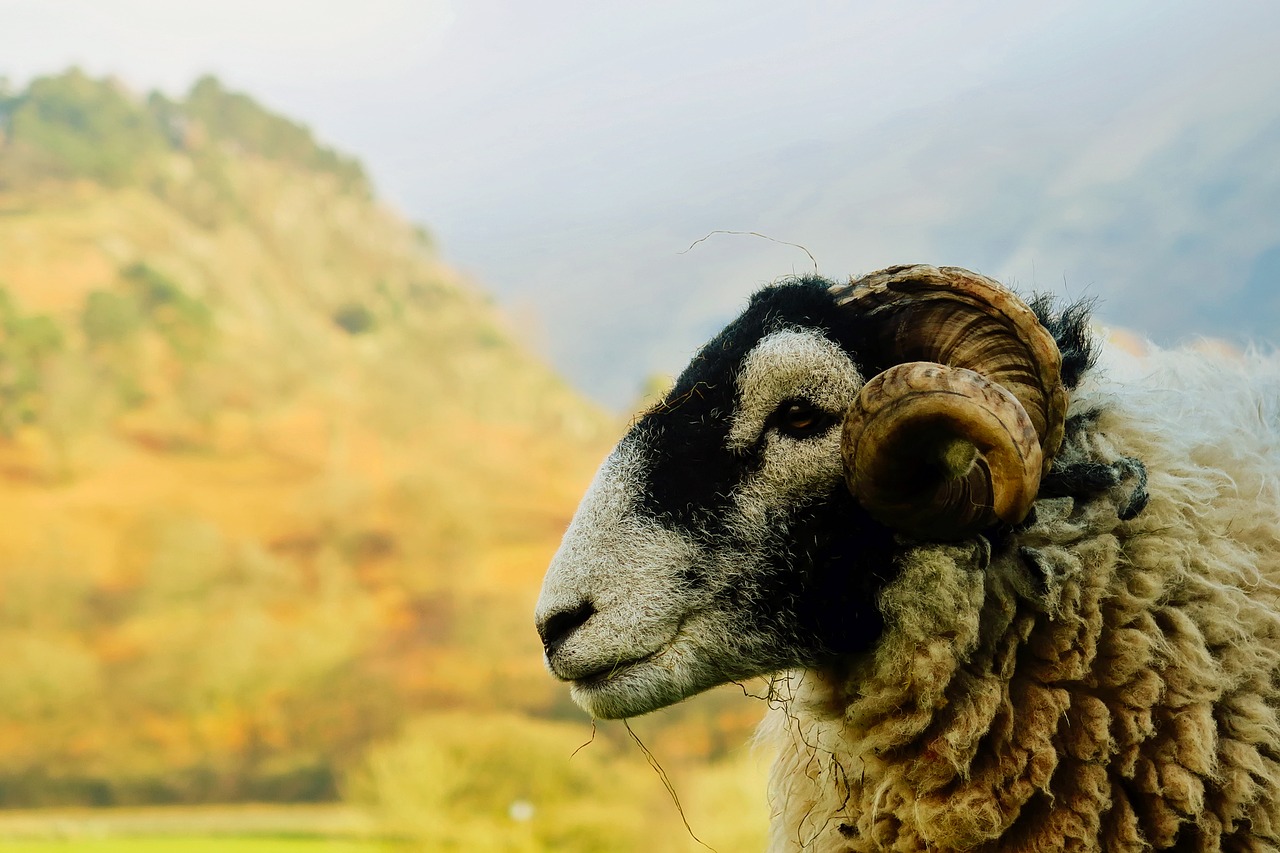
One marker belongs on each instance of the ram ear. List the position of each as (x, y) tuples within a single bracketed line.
[(954, 435)]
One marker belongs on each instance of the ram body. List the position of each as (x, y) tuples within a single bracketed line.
[(1102, 674)]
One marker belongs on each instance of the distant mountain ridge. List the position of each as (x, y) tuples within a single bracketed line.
[(74, 126), (242, 212)]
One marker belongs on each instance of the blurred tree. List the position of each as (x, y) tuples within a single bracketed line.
[(73, 126), (184, 322), (235, 118), (354, 318), (109, 318), (27, 343)]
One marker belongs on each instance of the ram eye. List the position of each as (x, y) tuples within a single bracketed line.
[(801, 419)]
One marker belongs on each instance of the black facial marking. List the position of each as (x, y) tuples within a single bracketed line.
[(812, 597), (690, 469), (845, 558)]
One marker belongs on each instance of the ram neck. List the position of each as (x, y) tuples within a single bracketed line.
[(941, 738)]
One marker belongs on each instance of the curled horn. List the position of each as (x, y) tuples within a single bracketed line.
[(953, 437)]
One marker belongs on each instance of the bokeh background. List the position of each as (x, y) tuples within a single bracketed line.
[(315, 318)]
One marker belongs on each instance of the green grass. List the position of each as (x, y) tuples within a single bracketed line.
[(179, 844), (319, 828)]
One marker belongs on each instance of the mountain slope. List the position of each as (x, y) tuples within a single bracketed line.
[(273, 477)]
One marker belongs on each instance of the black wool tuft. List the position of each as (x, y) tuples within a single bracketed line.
[(1070, 328)]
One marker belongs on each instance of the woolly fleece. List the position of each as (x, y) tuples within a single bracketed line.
[(1103, 679)]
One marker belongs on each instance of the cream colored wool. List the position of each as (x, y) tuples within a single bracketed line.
[(1094, 685)]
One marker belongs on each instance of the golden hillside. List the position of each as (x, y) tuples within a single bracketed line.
[(262, 458), (277, 490)]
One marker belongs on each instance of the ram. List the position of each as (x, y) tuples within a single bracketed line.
[(1013, 593)]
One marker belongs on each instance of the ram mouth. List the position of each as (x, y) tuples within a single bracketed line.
[(606, 674)]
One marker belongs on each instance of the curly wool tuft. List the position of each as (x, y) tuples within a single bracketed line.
[(1105, 678)]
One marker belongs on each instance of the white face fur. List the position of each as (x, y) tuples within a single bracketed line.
[(637, 613)]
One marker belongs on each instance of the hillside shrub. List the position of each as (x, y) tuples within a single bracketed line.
[(501, 782)]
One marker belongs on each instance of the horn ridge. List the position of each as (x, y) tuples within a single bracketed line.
[(940, 452), (983, 372)]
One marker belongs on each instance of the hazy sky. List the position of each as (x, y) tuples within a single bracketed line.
[(566, 153)]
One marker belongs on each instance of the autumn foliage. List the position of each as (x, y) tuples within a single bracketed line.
[(277, 489)]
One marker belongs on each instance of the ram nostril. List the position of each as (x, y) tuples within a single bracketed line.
[(557, 627)]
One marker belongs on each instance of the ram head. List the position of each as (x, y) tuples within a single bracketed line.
[(745, 524)]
